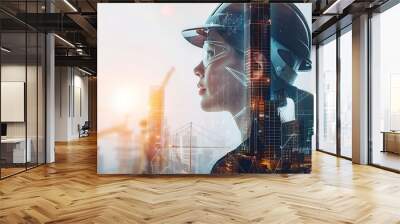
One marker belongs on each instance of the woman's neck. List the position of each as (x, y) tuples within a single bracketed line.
[(242, 120)]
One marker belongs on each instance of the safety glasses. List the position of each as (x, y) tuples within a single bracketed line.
[(212, 51)]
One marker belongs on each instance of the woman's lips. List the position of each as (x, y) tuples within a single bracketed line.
[(202, 91)]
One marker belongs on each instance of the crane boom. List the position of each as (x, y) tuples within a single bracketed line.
[(167, 77)]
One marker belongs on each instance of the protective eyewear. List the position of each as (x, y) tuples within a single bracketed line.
[(212, 51)]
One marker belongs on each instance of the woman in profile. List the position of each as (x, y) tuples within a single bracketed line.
[(223, 84)]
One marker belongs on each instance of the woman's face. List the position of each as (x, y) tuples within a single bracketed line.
[(218, 87)]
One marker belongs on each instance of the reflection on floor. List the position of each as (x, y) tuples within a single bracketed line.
[(387, 159), (10, 171)]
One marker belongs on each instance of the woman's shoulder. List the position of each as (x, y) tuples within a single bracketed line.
[(235, 162), (228, 164)]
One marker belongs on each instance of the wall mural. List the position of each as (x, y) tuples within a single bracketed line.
[(204, 88)]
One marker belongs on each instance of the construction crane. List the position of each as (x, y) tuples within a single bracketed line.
[(167, 78), (155, 121)]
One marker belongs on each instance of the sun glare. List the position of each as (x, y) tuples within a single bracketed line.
[(125, 101)]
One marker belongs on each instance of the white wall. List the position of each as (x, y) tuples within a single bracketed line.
[(50, 93), (12, 73), (16, 73), (71, 94), (62, 81), (80, 111)]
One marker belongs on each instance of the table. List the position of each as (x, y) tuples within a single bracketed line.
[(391, 141), (16, 147)]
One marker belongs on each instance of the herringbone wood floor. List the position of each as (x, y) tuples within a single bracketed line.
[(70, 191)]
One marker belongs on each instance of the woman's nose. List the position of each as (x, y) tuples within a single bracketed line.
[(199, 70)]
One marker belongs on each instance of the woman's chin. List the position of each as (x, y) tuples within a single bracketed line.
[(208, 106)]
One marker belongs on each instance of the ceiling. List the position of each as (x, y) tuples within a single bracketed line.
[(75, 23)]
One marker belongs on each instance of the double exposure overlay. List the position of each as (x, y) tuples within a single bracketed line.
[(213, 93)]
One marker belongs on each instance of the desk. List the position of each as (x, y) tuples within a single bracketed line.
[(16, 147), (391, 141)]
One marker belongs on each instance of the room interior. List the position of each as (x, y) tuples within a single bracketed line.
[(49, 103)]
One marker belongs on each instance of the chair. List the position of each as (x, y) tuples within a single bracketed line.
[(84, 130)]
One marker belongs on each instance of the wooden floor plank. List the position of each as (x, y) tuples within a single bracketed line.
[(70, 191)]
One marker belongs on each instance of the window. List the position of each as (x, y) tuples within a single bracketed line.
[(22, 88), (327, 97), (385, 89), (346, 94)]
